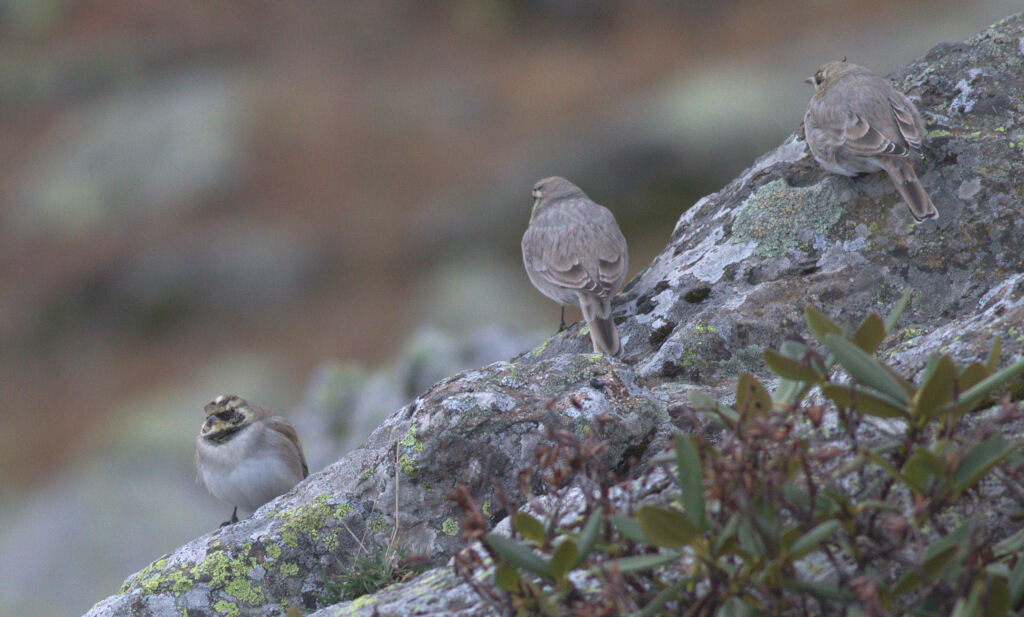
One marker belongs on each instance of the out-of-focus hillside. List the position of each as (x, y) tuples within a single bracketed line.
[(203, 197)]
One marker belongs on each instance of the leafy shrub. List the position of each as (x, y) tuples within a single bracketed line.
[(886, 517)]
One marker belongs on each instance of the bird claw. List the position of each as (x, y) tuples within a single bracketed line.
[(232, 520)]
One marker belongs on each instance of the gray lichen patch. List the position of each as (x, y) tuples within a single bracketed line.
[(778, 216)]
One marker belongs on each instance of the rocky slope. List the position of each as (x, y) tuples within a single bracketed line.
[(740, 267)]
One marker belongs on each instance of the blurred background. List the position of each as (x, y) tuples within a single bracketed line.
[(318, 206)]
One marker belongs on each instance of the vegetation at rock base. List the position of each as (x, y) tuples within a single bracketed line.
[(851, 490), (371, 571)]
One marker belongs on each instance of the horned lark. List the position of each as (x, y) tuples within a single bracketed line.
[(857, 123), (247, 455), (575, 254)]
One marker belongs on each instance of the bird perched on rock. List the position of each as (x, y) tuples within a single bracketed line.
[(857, 123), (247, 455), (575, 254)]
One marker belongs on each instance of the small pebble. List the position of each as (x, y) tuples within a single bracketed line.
[(596, 383)]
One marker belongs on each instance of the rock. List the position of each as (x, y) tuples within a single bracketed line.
[(740, 268), (133, 157), (343, 404), (475, 428)]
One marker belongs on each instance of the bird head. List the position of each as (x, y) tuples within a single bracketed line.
[(226, 415)]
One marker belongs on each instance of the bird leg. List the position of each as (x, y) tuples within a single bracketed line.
[(234, 518), (561, 320)]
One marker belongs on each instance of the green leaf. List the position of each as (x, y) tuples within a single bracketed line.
[(820, 324), (507, 577), (921, 466), (639, 563), (719, 412), (935, 558), (813, 538), (1016, 582), (997, 597), (588, 536), (727, 536), (897, 310), (938, 552), (663, 597), (936, 390), (751, 397), (980, 460), (970, 606), (827, 591), (629, 527), (529, 527), (870, 334), (865, 401), (789, 368), (794, 350), (992, 361), (562, 562), (691, 480), (734, 607), (790, 392), (1010, 546), (517, 554), (666, 528), (971, 376), (867, 370), (971, 398)]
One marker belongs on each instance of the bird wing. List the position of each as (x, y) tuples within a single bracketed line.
[(907, 120), (583, 250), (286, 430), (861, 138)]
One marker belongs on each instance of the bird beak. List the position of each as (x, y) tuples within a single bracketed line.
[(809, 80)]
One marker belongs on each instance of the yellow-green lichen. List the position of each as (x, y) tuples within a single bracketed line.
[(540, 349), (701, 329), (148, 579), (310, 520), (229, 574), (407, 465), (486, 508), (412, 439), (939, 133), (228, 609), (290, 569), (379, 525), (274, 551), (180, 581), (450, 526), (777, 215), (360, 602)]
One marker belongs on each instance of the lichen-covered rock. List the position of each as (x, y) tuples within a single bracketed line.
[(742, 265), (477, 428)]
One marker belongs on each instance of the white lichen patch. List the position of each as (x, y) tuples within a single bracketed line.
[(711, 266), (964, 102), (479, 400), (969, 188)]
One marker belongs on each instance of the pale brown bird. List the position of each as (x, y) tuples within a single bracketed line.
[(857, 123), (575, 254), (247, 455)]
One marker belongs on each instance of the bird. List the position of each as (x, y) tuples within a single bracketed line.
[(247, 455), (575, 254), (857, 123)]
